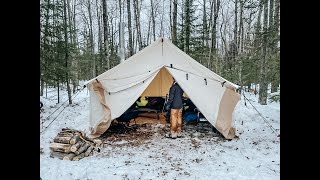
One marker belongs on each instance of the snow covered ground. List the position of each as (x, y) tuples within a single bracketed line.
[(200, 154)]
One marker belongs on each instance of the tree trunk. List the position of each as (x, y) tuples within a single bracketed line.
[(187, 27), (161, 22), (137, 20), (240, 32), (45, 45), (149, 27), (75, 36), (91, 41), (240, 43), (275, 39), (66, 50), (174, 22), (205, 35), (170, 18), (212, 4), (129, 28), (263, 68), (276, 23), (72, 60), (58, 90), (223, 33), (153, 21), (235, 22), (271, 26), (100, 48), (271, 46), (257, 41), (214, 31), (214, 27), (105, 34)]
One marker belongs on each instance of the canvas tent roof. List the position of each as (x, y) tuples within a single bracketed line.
[(149, 72)]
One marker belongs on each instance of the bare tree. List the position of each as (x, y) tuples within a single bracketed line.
[(205, 33), (100, 44), (214, 31), (274, 39), (43, 60), (66, 49), (187, 26), (153, 20), (129, 28), (235, 22), (240, 32), (91, 39), (137, 20), (105, 33), (263, 68)]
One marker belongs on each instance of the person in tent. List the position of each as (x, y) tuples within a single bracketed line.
[(175, 105)]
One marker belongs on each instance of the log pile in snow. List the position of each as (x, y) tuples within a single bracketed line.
[(73, 145)]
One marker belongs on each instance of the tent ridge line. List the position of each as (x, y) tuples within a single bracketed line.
[(190, 58), (193, 73), (141, 81), (147, 72)]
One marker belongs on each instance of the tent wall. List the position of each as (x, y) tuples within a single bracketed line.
[(160, 85), (114, 103), (224, 123)]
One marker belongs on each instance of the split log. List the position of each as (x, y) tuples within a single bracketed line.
[(75, 139), (59, 155), (88, 151), (73, 131), (82, 148), (69, 156), (64, 130), (77, 158), (62, 139), (65, 134), (60, 147), (76, 146)]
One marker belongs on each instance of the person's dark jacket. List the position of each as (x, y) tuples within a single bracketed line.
[(175, 97)]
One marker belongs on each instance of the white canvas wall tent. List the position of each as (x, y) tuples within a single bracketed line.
[(149, 73)]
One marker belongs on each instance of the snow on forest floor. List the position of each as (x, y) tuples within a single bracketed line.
[(144, 153)]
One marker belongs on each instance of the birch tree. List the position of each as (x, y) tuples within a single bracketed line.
[(263, 66)]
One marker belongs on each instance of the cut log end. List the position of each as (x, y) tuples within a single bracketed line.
[(69, 156), (75, 147), (88, 151), (74, 139), (78, 157), (60, 147), (59, 155)]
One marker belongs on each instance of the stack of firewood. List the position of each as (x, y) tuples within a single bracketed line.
[(73, 145)]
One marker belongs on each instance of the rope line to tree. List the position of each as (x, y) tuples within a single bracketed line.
[(265, 120), (61, 110)]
